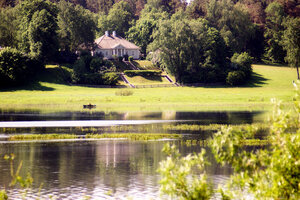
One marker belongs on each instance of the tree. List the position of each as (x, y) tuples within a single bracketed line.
[(118, 19), (141, 32), (8, 27), (38, 29), (197, 8), (42, 36), (273, 32), (76, 26), (191, 50), (291, 42), (170, 6), (233, 23), (15, 68)]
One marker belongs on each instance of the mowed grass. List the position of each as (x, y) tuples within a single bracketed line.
[(154, 80), (268, 82)]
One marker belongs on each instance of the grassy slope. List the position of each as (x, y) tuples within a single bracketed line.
[(268, 82), (155, 80)]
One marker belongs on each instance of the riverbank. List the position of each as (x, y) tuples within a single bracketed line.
[(268, 82)]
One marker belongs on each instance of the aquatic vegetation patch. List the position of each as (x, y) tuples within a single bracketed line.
[(130, 136), (137, 136)]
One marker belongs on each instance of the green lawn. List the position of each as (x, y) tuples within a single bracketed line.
[(268, 82), (154, 80), (144, 64)]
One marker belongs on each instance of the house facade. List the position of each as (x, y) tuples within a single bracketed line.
[(110, 45)]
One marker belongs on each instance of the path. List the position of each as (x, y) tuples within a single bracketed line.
[(125, 80), (131, 65)]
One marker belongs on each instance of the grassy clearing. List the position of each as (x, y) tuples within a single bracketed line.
[(153, 80), (129, 136), (268, 82), (144, 64)]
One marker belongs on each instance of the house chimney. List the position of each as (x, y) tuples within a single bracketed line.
[(114, 33), (106, 33)]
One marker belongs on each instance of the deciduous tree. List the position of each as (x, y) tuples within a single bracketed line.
[(291, 42)]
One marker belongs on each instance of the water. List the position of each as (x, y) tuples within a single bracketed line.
[(71, 170), (103, 169)]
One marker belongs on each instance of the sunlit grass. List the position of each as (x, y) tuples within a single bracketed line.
[(269, 82)]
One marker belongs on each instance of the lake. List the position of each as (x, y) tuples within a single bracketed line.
[(104, 169)]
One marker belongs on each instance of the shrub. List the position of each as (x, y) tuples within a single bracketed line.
[(130, 58), (144, 73), (235, 78), (242, 62), (16, 68), (124, 92), (96, 64), (110, 78)]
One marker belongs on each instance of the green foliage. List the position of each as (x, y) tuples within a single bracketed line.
[(16, 68), (77, 26), (291, 42), (190, 49), (15, 173), (243, 63), (38, 29), (8, 27), (233, 23), (144, 73), (130, 58), (118, 19), (274, 32), (179, 179), (3, 195), (235, 78), (110, 78), (141, 32), (266, 173)]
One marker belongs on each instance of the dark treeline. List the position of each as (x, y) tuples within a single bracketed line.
[(204, 41)]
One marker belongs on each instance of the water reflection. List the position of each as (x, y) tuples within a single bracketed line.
[(75, 170), (221, 117)]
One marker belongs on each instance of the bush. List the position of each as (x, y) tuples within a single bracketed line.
[(130, 58), (144, 73), (242, 62), (16, 68), (124, 93), (96, 64), (110, 78), (236, 78), (120, 58)]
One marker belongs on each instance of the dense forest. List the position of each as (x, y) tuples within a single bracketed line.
[(200, 41)]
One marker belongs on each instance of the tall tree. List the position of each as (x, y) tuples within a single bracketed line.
[(233, 23), (291, 42), (76, 26), (118, 19), (38, 28), (170, 6), (8, 27), (105, 5), (197, 8), (274, 32), (141, 32), (190, 50)]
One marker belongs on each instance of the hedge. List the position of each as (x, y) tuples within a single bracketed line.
[(142, 72)]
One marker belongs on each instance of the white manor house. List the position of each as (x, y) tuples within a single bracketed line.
[(109, 45)]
